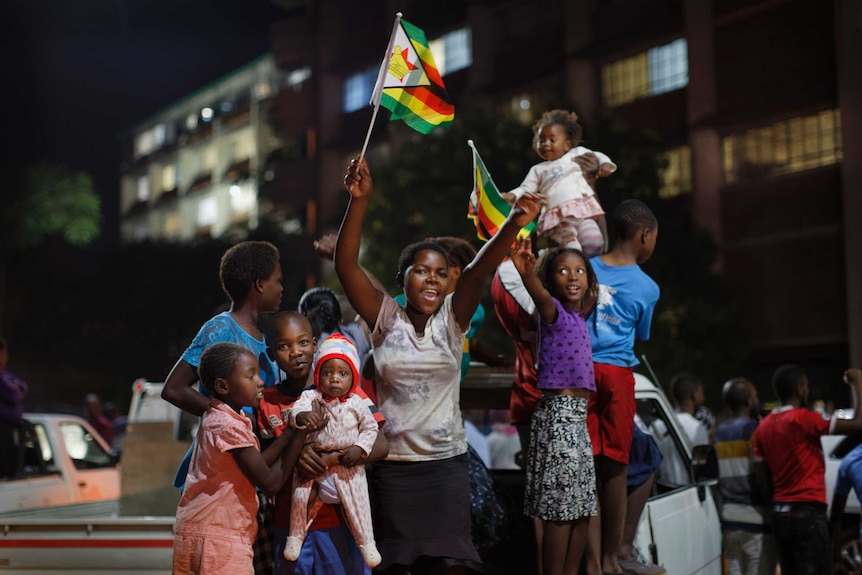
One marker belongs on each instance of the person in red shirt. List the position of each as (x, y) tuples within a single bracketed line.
[(789, 460)]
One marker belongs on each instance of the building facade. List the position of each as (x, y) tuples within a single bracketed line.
[(757, 103), (194, 169)]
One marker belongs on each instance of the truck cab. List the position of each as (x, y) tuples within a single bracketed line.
[(680, 527), (63, 469)]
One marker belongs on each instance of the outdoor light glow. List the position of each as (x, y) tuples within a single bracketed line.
[(207, 114), (525, 104), (235, 190)]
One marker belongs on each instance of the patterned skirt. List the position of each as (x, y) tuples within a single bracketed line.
[(561, 477)]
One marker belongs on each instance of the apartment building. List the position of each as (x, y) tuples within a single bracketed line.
[(194, 169), (757, 103)]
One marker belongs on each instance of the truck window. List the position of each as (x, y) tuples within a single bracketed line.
[(43, 445), (36, 455), (82, 447), (674, 470)]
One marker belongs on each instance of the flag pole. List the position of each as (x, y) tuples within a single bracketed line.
[(378, 86)]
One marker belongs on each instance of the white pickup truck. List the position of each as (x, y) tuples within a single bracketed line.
[(63, 468), (62, 512), (680, 527)]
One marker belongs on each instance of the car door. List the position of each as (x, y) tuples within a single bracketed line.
[(680, 527), (93, 470)]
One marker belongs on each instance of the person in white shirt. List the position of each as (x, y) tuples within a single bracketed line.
[(687, 391)]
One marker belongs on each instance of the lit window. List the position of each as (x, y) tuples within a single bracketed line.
[(208, 159), (668, 67), (144, 143), (262, 90), (453, 51), (143, 189), (191, 121), (358, 89), (171, 225), (296, 78), (207, 211), (785, 147), (159, 135), (520, 108), (656, 71), (676, 173), (242, 199), (169, 177)]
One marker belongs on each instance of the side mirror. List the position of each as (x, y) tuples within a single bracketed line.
[(704, 464)]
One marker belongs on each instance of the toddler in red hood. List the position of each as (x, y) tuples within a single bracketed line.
[(351, 432)]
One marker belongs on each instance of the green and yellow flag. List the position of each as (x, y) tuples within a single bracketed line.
[(411, 86), (487, 208)]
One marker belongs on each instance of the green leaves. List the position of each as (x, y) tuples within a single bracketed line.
[(51, 200)]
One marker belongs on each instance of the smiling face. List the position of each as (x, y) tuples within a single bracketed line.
[(294, 347), (552, 142), (336, 377), (243, 386), (425, 283), (569, 280)]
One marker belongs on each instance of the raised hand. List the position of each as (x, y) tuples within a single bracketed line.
[(527, 208), (358, 179), (522, 256), (325, 246)]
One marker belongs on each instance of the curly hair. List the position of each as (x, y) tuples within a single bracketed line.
[(244, 264), (545, 268), (632, 216), (409, 253), (460, 252), (568, 121), (320, 305), (217, 361)]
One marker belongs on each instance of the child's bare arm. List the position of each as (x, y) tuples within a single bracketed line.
[(179, 389), (471, 285), (525, 263), (269, 477)]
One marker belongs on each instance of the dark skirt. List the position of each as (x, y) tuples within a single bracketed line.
[(421, 514)]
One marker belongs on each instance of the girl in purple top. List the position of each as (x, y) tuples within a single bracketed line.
[(561, 481)]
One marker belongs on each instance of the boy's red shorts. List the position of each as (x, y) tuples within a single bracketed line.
[(611, 412)]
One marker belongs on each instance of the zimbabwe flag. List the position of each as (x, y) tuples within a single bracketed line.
[(487, 208), (411, 87)]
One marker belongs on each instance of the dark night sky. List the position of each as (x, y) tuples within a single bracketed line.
[(76, 74)]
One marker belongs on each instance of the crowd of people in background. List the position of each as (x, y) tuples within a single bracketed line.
[(331, 438)]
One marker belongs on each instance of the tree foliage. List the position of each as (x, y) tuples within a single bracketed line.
[(51, 200)]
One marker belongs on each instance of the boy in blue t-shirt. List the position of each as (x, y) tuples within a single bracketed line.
[(626, 299)]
